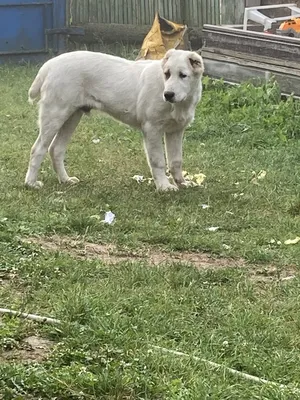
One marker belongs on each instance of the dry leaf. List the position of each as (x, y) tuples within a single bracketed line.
[(258, 177)]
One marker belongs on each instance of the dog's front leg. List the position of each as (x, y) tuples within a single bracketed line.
[(156, 159), (173, 142)]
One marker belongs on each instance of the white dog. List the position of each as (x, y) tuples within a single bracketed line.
[(158, 97)]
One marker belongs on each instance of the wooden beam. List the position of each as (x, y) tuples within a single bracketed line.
[(124, 33), (256, 43)]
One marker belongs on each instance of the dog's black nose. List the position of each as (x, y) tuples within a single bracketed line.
[(169, 96)]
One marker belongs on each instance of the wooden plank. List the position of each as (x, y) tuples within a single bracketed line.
[(212, 12), (235, 73), (146, 16), (188, 13), (85, 10), (109, 11), (254, 43), (77, 12), (138, 9), (93, 11), (81, 16), (149, 12), (232, 11), (120, 12), (239, 11), (231, 29), (130, 12), (68, 11), (262, 66), (227, 12), (142, 12), (175, 8), (169, 8), (134, 13), (193, 17), (111, 33), (196, 16), (216, 18), (161, 7), (152, 10), (100, 11), (209, 53), (207, 10)]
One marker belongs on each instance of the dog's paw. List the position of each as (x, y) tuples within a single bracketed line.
[(34, 185), (166, 187), (72, 180)]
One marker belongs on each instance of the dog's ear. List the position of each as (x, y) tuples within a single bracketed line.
[(196, 62), (167, 56)]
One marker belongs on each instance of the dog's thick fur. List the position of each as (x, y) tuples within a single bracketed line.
[(158, 97)]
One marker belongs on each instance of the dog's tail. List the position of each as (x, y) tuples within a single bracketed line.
[(35, 88)]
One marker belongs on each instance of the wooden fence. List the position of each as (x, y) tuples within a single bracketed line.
[(194, 13), (128, 21), (141, 12)]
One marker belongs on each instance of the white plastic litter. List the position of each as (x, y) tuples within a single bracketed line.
[(213, 228), (96, 141), (138, 178), (109, 217), (226, 247), (204, 206)]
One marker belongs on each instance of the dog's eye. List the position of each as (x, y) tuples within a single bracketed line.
[(181, 75), (167, 74)]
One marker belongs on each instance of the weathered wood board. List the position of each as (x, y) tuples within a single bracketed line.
[(236, 56)]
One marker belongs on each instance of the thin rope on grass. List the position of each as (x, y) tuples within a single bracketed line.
[(46, 320), (231, 370), (53, 321)]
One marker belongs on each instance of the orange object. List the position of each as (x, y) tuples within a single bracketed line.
[(163, 35), (291, 27)]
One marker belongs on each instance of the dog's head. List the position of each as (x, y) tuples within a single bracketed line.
[(182, 72)]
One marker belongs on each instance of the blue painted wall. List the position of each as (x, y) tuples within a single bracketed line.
[(23, 29)]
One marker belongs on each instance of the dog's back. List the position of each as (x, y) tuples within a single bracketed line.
[(90, 80)]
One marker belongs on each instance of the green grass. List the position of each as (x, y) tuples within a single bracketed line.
[(112, 315)]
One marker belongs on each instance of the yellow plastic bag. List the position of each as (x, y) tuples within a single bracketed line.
[(163, 35)]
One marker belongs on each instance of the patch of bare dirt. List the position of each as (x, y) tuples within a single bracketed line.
[(31, 349), (111, 255), (271, 273)]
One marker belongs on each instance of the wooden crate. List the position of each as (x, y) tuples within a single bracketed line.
[(236, 55)]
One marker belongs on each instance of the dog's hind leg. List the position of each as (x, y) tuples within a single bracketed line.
[(58, 147), (51, 119)]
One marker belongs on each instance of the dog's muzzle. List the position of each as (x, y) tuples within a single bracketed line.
[(169, 96)]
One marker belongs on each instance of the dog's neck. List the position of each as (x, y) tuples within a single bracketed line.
[(184, 112)]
